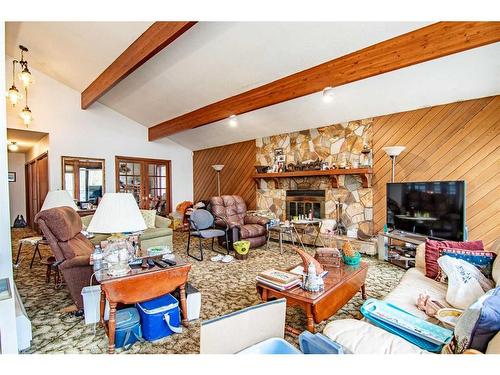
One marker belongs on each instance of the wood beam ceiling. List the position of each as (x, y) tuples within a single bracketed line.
[(428, 43), (153, 40)]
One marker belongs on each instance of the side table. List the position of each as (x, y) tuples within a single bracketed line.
[(315, 225), (140, 285), (33, 241), (282, 231)]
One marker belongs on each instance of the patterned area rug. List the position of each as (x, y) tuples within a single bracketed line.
[(224, 288)]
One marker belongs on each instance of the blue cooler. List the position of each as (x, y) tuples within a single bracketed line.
[(160, 317), (127, 328)]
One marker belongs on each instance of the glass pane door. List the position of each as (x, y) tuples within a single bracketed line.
[(157, 197), (129, 178)]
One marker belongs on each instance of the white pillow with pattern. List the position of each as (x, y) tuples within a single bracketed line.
[(149, 217)]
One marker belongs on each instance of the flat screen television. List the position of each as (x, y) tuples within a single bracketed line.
[(434, 209)]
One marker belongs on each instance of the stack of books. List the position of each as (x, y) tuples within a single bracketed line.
[(277, 279)]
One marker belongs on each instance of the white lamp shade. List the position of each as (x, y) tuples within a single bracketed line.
[(218, 167), (117, 213), (58, 198), (393, 150)]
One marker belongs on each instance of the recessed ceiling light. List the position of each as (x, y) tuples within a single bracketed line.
[(13, 146), (233, 121), (328, 94)]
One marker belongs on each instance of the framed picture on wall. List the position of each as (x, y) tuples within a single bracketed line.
[(12, 176)]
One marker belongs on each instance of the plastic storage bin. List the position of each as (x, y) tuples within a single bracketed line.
[(319, 344), (92, 304), (160, 317), (128, 328), (273, 345)]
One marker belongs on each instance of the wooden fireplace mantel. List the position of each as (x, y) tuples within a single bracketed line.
[(364, 173)]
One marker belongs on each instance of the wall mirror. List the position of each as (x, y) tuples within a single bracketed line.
[(84, 179)]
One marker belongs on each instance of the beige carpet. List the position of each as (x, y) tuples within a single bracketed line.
[(224, 288)]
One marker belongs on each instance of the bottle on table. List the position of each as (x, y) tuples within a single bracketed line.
[(97, 258)]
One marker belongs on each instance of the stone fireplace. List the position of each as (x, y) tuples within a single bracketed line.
[(331, 144)]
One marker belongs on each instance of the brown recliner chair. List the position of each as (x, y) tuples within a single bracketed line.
[(61, 227), (233, 210)]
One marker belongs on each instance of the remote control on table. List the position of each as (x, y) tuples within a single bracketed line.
[(170, 262), (151, 263), (161, 263)]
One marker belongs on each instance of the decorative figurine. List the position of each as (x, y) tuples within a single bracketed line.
[(313, 282)]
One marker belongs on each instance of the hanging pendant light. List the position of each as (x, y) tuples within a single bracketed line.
[(25, 75), (13, 94), (26, 112)]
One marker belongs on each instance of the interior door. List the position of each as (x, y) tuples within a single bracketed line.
[(148, 180), (37, 186)]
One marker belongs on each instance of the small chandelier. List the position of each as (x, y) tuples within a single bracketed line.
[(27, 79)]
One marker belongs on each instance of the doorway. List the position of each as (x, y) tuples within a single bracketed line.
[(149, 180), (28, 173), (37, 186)]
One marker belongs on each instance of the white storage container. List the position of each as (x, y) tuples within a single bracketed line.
[(92, 304), (193, 302)]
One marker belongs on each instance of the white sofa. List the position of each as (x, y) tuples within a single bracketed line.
[(361, 337)]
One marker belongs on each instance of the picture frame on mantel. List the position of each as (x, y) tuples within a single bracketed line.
[(12, 177)]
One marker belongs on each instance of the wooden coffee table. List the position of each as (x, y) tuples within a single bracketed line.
[(341, 284)]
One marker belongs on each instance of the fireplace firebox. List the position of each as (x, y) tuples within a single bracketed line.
[(300, 202)]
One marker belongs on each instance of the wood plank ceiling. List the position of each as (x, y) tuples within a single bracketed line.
[(430, 42), (236, 176), (153, 40), (458, 141)]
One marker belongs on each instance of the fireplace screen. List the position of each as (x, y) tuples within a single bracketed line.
[(300, 202)]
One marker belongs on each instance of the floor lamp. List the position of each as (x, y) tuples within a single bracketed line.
[(218, 168), (392, 152)]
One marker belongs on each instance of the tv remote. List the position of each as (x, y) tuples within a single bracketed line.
[(151, 263), (170, 262), (161, 263)]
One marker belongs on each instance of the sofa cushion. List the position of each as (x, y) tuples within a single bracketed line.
[(432, 248), (149, 217), (478, 325), (252, 230), (420, 257), (360, 337), (494, 345), (413, 283), (156, 232)]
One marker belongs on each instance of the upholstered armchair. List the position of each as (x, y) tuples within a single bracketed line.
[(61, 227), (233, 210)]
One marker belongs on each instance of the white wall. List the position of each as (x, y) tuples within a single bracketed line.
[(96, 132), (38, 148), (8, 335), (17, 193)]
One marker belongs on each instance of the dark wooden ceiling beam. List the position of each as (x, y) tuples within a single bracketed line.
[(428, 43), (153, 40)]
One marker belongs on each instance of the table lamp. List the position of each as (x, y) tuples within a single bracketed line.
[(117, 213), (58, 198)]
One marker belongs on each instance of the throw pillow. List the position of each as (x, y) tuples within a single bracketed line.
[(432, 253), (149, 217), (483, 260), (465, 282), (477, 326)]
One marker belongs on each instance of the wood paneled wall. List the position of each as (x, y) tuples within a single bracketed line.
[(458, 141), (236, 177)]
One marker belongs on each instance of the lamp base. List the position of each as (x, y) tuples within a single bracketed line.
[(118, 270)]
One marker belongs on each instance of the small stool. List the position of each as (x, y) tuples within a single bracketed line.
[(33, 241), (49, 262)]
